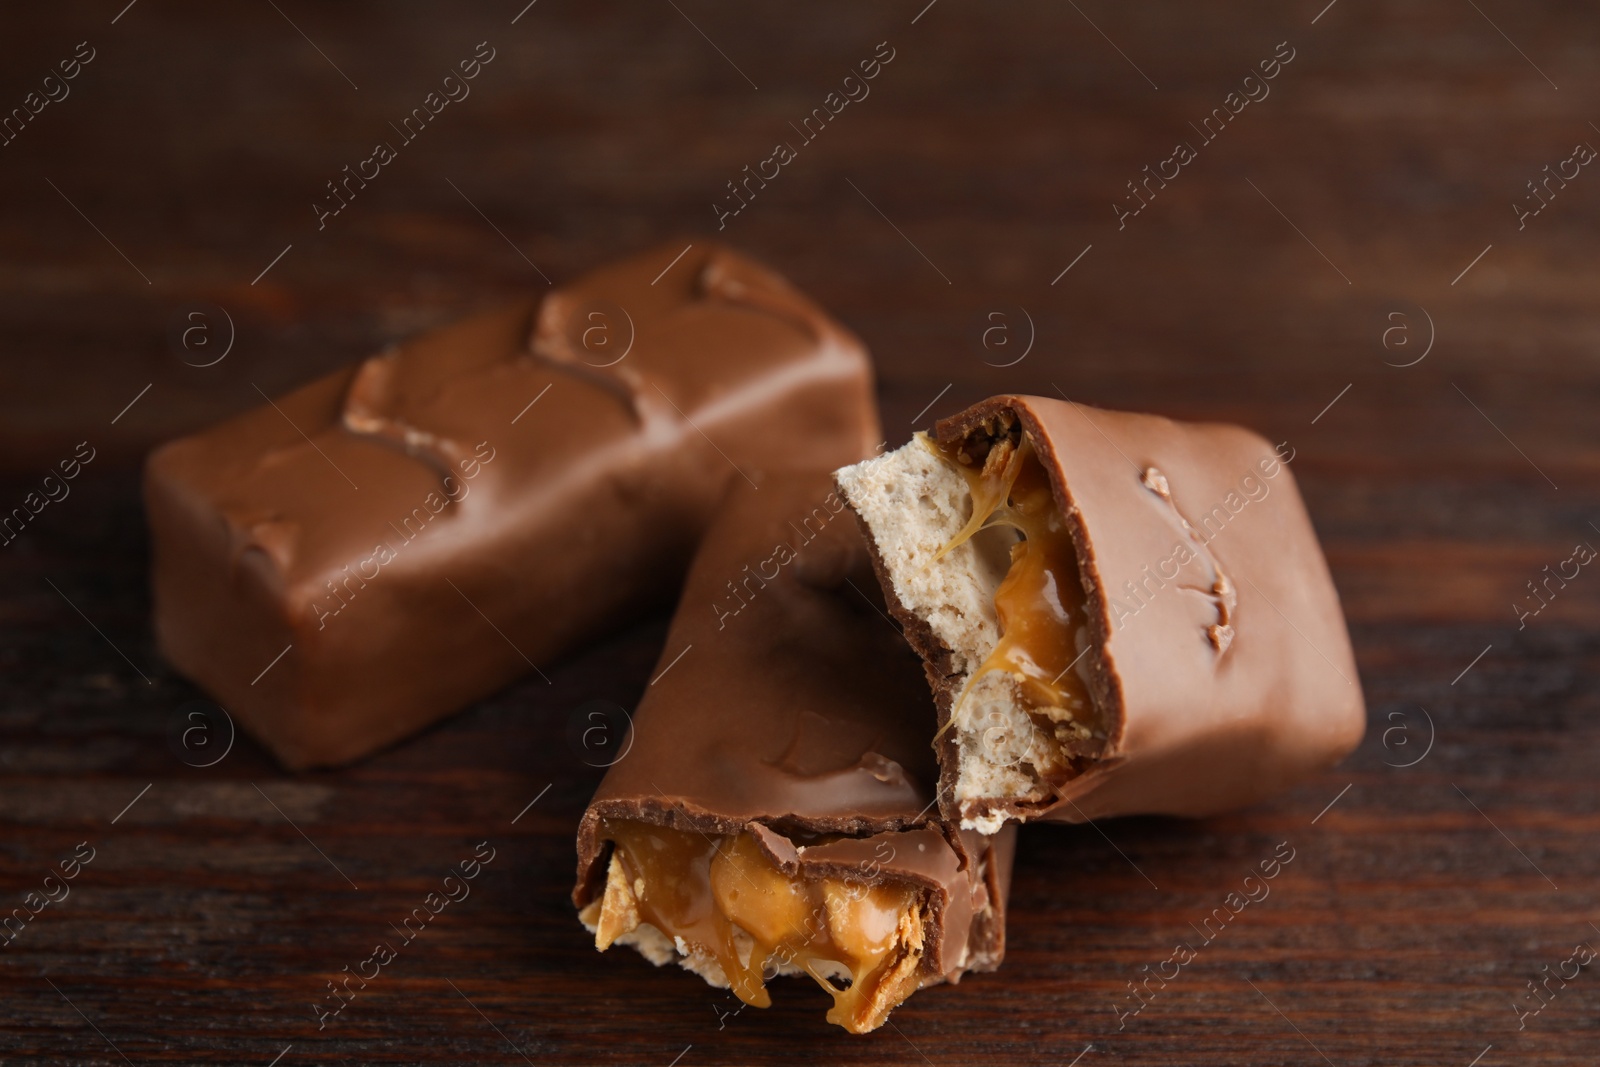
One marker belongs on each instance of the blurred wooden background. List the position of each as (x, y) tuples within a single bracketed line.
[(1371, 190)]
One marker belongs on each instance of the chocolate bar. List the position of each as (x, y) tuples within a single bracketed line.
[(1117, 613), (349, 563), (772, 809)]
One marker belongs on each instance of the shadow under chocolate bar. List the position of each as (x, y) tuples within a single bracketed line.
[(373, 551), (772, 811)]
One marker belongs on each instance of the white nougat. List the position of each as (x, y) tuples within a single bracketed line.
[(914, 503)]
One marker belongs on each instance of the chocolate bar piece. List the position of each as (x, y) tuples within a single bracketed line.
[(773, 808), (1117, 613), (355, 560)]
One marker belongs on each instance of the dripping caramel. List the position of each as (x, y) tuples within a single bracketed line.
[(1040, 601), (718, 896)]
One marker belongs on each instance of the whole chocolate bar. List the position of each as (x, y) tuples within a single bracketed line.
[(357, 559), (1117, 613), (773, 808)]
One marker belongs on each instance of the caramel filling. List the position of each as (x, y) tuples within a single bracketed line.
[(720, 899), (1039, 603)]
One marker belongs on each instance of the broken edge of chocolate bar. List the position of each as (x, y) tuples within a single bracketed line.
[(774, 813), (1117, 613), (872, 919)]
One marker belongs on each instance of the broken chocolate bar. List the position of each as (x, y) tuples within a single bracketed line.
[(355, 560), (1117, 613), (773, 809)]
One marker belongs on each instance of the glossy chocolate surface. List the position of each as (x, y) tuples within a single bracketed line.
[(788, 705), (1217, 654), (407, 535)]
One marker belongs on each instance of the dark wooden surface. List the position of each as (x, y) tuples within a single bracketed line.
[(1417, 907)]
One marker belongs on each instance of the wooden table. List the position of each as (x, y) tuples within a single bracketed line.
[(1358, 216)]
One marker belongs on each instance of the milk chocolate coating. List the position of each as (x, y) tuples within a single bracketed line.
[(799, 710), (1216, 683), (417, 536)]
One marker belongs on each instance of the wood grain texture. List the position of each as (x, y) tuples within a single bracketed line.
[(1255, 287)]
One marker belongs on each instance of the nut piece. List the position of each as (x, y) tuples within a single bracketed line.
[(619, 908), (862, 919), (897, 981)]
